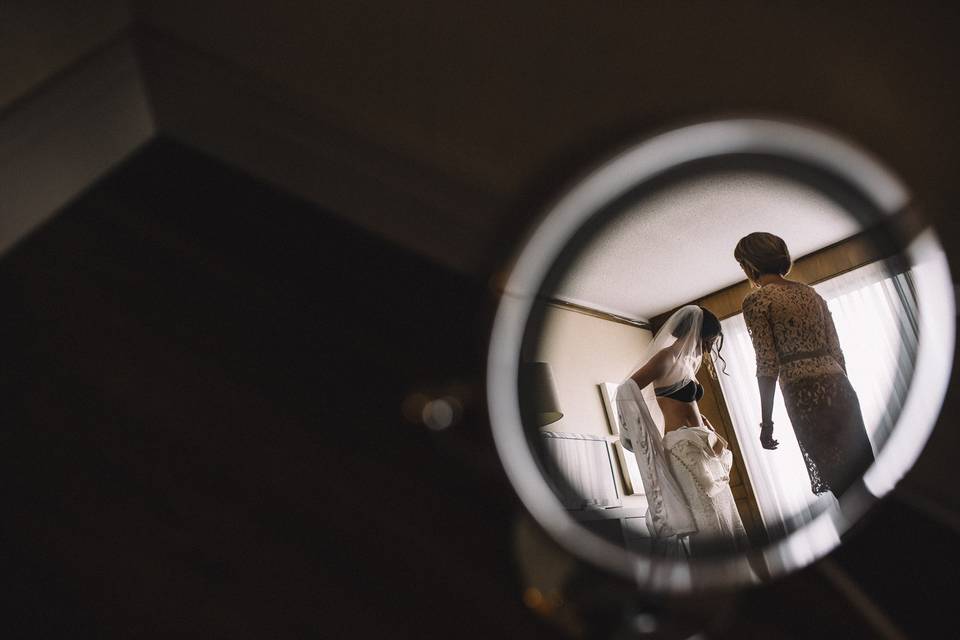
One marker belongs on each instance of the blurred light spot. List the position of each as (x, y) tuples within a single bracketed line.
[(644, 623), (438, 414), (533, 598), (456, 406), (545, 606), (413, 406)]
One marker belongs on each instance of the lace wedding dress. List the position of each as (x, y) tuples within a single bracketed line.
[(685, 478), (700, 462), (686, 473)]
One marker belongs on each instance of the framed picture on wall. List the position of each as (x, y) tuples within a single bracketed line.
[(608, 392), (629, 471)]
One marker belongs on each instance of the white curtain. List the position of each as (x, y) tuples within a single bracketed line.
[(875, 315)]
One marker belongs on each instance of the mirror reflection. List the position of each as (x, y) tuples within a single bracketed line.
[(716, 366)]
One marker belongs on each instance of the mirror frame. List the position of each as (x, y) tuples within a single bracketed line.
[(615, 178)]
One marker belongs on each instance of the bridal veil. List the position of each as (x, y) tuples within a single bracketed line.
[(669, 513)]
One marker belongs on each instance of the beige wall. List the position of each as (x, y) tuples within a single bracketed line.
[(584, 351)]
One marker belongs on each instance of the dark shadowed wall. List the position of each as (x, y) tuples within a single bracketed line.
[(202, 437)]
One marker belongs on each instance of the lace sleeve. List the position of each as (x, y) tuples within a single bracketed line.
[(830, 331), (756, 314)]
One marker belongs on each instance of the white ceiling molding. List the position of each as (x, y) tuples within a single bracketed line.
[(55, 142)]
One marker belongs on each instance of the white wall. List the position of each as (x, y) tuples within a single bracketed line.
[(584, 351)]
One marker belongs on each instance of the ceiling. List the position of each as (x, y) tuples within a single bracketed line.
[(44, 39), (677, 245), (444, 127)]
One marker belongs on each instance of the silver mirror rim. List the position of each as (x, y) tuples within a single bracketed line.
[(614, 177)]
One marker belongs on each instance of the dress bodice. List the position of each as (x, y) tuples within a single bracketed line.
[(792, 331)]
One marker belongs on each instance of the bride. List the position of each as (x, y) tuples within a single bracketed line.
[(685, 470)]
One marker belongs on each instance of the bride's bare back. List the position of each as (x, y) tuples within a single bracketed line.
[(676, 413)]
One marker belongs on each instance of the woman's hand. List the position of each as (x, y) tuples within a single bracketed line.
[(768, 388), (766, 436)]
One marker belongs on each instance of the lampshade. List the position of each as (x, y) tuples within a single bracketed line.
[(538, 392)]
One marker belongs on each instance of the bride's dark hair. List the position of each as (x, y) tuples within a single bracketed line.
[(711, 329)]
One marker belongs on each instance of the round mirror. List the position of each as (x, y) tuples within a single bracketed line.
[(716, 350)]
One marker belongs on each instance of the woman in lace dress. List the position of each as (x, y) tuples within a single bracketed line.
[(796, 342), (686, 470)]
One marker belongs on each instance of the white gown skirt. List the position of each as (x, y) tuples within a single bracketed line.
[(700, 462)]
